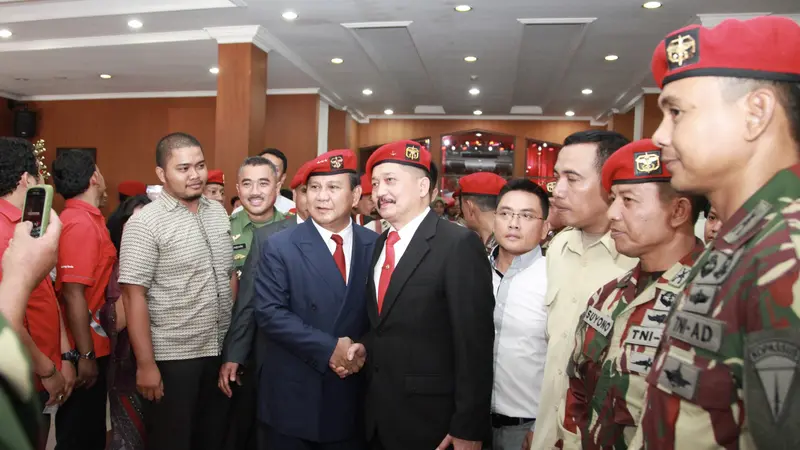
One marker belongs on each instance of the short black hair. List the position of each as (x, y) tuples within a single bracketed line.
[(173, 141), (278, 154), (259, 161), (288, 193), (788, 95), (791, 103), (234, 200), (72, 172), (16, 158), (485, 203), (526, 185), (125, 212), (699, 203), (433, 176), (607, 142)]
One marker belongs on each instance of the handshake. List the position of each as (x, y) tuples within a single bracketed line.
[(348, 357)]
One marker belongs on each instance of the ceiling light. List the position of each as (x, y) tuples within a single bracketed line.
[(388, 112), (289, 15), (214, 70), (612, 57), (135, 24), (470, 59), (337, 60), (474, 91), (463, 8), (569, 113), (586, 91), (367, 91), (479, 134), (105, 76), (652, 5), (5, 34), (477, 112)]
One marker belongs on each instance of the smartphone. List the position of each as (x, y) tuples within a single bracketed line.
[(38, 201)]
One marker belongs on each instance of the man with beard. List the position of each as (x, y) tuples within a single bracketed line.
[(175, 269), (257, 185), (586, 253), (86, 258), (616, 339)]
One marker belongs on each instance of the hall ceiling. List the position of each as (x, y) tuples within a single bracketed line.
[(410, 53)]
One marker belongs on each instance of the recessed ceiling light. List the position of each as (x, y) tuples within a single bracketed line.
[(135, 24), (477, 112), (470, 59), (474, 91), (105, 76), (569, 113), (652, 5), (5, 34), (367, 91), (463, 8), (337, 60), (214, 70), (612, 57), (388, 112), (289, 15), (586, 91), (479, 134)]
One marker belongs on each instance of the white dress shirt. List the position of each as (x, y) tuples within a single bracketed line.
[(300, 220), (520, 344), (347, 242), (406, 233)]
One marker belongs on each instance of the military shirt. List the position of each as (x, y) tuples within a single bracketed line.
[(242, 233), (615, 344), (726, 374), (20, 413)]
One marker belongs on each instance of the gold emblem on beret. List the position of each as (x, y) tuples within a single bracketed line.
[(647, 163), (551, 186), (412, 153), (337, 162), (682, 49)]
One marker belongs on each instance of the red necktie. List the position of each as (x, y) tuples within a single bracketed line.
[(338, 256), (388, 268)]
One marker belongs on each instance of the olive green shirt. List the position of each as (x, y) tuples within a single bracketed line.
[(242, 234), (20, 412)]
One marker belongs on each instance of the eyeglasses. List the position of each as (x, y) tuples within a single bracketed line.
[(506, 216)]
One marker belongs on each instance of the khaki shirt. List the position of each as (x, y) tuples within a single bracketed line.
[(573, 275)]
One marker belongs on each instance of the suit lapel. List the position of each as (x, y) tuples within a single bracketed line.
[(372, 290), (417, 249), (309, 241)]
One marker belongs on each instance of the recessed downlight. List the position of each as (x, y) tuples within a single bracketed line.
[(477, 112), (463, 8), (470, 59), (214, 70), (5, 33), (367, 91), (569, 113), (135, 24), (105, 76), (474, 91), (651, 5), (289, 15), (612, 57), (337, 60), (587, 91), (388, 112)]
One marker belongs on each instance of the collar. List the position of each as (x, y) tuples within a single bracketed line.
[(170, 202), (326, 235), (299, 219), (276, 216), (11, 212), (575, 242), (408, 231), (82, 205), (520, 262)]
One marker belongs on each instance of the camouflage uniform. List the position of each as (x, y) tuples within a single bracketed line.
[(20, 411), (725, 375), (615, 343)]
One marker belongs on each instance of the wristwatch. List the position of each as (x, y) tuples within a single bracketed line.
[(89, 355), (72, 356)]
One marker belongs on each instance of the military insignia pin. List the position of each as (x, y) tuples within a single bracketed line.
[(551, 186), (412, 153), (647, 163), (337, 162), (683, 49)]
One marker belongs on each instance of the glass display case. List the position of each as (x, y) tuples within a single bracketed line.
[(473, 151), (540, 159)]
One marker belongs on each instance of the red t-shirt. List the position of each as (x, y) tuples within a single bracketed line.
[(86, 256), (41, 314)]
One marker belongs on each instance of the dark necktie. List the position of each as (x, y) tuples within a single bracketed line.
[(338, 256), (388, 268)]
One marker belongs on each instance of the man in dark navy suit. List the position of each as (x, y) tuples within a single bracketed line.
[(310, 306)]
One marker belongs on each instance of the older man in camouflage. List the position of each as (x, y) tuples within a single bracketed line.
[(726, 373), (619, 332)]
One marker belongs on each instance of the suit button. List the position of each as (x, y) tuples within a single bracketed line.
[(313, 307)]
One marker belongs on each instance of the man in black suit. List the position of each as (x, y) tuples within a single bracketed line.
[(430, 305)]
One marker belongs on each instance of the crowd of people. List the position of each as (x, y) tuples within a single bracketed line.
[(368, 312)]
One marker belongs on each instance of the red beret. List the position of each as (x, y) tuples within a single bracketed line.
[(216, 177), (401, 152), (763, 48), (131, 188), (332, 163), (637, 162), (300, 176), (481, 183), (450, 201), (366, 185)]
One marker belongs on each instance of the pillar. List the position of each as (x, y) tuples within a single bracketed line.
[(241, 99)]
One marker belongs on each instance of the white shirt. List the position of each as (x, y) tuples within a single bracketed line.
[(300, 220), (282, 204), (406, 233), (347, 242), (520, 344)]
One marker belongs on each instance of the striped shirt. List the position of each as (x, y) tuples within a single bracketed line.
[(185, 261)]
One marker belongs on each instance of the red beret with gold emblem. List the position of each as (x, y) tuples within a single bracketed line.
[(409, 153), (480, 183), (366, 185), (637, 162), (762, 48), (332, 163), (131, 188), (216, 177)]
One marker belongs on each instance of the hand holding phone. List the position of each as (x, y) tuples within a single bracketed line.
[(38, 202)]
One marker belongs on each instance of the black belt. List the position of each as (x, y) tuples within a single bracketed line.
[(499, 421)]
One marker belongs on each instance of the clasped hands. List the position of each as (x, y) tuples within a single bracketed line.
[(348, 357)]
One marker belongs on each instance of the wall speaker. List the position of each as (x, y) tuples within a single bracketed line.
[(24, 124)]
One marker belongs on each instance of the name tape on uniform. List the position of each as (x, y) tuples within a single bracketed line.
[(599, 321), (697, 330), (679, 378), (648, 337), (640, 362)]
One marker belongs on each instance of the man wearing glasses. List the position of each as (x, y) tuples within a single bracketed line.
[(519, 279)]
